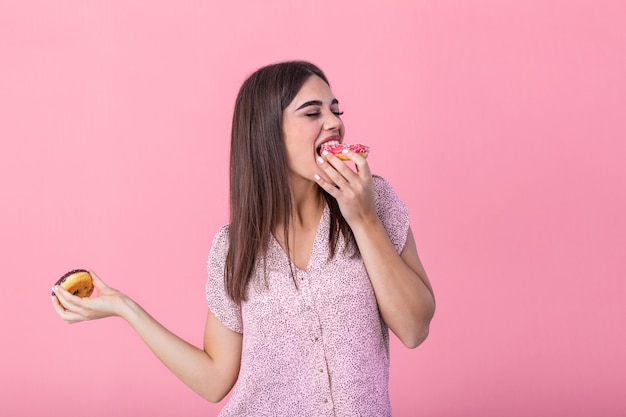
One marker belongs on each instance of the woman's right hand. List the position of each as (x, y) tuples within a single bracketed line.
[(107, 302)]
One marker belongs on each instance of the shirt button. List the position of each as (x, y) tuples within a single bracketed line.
[(316, 339), (325, 400), (321, 370)]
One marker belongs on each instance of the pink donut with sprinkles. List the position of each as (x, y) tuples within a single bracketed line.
[(337, 149)]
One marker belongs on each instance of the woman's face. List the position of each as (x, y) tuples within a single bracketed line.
[(311, 119)]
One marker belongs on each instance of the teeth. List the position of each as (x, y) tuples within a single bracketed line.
[(325, 144)]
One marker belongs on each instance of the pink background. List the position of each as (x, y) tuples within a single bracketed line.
[(500, 123)]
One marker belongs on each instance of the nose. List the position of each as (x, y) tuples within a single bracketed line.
[(332, 121)]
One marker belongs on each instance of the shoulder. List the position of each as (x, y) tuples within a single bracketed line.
[(219, 247), (384, 192), (220, 304), (392, 211), (380, 183), (222, 234), (221, 237)]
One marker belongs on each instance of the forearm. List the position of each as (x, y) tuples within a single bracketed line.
[(403, 293), (191, 365)]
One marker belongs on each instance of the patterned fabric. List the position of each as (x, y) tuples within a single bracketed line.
[(316, 349)]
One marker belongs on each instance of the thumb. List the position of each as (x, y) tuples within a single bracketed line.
[(97, 282)]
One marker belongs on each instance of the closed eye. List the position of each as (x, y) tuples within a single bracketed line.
[(315, 114)]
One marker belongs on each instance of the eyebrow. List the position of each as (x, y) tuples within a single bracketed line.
[(316, 103)]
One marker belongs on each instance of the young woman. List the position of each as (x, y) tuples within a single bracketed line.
[(317, 263)]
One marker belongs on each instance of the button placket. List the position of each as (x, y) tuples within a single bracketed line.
[(318, 366)]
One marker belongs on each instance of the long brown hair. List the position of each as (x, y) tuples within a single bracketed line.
[(258, 172)]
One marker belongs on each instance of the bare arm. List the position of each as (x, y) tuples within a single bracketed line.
[(211, 372), (403, 292)]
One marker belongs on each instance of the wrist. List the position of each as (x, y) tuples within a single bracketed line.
[(127, 308), (366, 225)]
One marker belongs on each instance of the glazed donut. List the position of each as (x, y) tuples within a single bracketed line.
[(77, 282), (337, 149)]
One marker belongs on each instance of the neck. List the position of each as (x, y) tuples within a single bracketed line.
[(307, 205)]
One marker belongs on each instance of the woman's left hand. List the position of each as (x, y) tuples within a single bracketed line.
[(108, 302), (351, 188)]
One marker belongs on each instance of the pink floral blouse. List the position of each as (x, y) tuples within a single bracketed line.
[(316, 349)]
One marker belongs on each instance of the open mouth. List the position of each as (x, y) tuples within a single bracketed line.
[(327, 144)]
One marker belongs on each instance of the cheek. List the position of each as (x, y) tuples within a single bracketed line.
[(300, 155)]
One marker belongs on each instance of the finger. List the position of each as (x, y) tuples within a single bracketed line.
[(97, 282), (330, 188), (56, 304), (66, 315), (360, 163), (335, 170), (339, 165), (350, 182), (67, 300), (71, 317)]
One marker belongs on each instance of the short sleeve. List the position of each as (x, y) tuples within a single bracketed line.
[(392, 212), (220, 304)]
